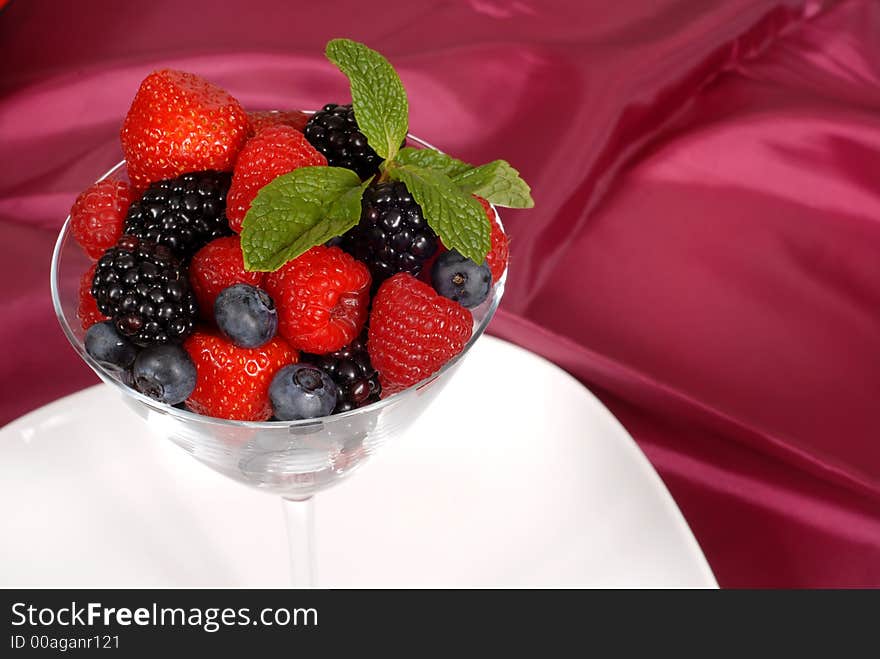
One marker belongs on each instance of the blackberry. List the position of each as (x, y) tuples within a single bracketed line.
[(184, 213), (392, 235), (334, 132), (144, 289), (351, 370)]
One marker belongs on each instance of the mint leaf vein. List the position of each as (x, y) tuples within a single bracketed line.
[(454, 215), (377, 94), (297, 211)]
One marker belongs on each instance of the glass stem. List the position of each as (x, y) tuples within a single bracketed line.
[(300, 517)]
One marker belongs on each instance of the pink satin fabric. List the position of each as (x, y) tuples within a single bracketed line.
[(705, 250)]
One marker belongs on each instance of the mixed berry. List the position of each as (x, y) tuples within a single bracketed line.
[(352, 371), (301, 391), (183, 213), (281, 265), (333, 131), (392, 235), (460, 279), (143, 287)]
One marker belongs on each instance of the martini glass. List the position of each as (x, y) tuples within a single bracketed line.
[(293, 460)]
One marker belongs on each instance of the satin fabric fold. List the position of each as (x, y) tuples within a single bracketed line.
[(704, 249)]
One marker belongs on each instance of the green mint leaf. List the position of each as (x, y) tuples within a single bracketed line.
[(498, 183), (297, 211), (455, 216), (379, 100), (432, 159)]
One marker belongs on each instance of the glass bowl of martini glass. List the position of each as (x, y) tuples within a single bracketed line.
[(293, 460)]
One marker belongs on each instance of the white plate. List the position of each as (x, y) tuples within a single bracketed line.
[(516, 476)]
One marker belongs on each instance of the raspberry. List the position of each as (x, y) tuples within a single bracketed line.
[(354, 375), (143, 287), (413, 332), (183, 213), (259, 120), (87, 311), (216, 266), (233, 382), (98, 214), (498, 255), (334, 132), (178, 123), (322, 298), (274, 151), (392, 235)]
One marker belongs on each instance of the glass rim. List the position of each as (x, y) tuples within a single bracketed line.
[(162, 408)]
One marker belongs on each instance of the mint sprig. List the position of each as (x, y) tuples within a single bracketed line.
[(311, 205), (297, 211), (498, 183), (457, 217), (377, 95), (433, 159)]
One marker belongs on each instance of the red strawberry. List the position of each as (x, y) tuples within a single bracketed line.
[(87, 310), (98, 214), (322, 298), (264, 118), (178, 123), (413, 332), (274, 151), (498, 255), (216, 266), (233, 382)]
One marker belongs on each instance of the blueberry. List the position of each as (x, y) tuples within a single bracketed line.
[(164, 373), (110, 349), (246, 315), (460, 279), (301, 391)]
